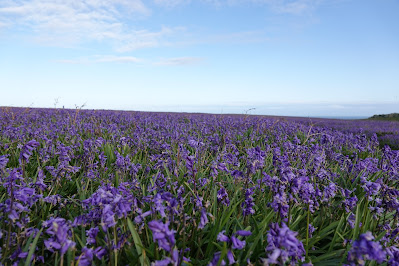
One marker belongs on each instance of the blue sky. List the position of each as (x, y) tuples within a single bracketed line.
[(281, 57)]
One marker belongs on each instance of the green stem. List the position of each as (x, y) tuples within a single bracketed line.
[(307, 233), (289, 214), (115, 250)]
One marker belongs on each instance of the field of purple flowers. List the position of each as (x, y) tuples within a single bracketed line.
[(387, 132), (81, 187)]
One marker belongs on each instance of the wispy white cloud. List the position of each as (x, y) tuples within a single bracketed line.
[(254, 36), (170, 3), (68, 22), (296, 7), (176, 61), (114, 22), (144, 39), (179, 61), (293, 7), (102, 59)]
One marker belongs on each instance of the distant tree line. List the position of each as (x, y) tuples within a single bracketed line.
[(390, 117)]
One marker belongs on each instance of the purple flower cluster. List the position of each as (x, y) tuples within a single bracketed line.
[(27, 149), (365, 249), (283, 246), (162, 235), (60, 235), (166, 240), (235, 242), (106, 205), (87, 256), (248, 204), (3, 161), (223, 196)]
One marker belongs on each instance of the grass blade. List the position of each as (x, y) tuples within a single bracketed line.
[(32, 248), (138, 244)]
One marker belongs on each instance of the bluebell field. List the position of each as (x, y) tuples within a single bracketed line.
[(83, 187)]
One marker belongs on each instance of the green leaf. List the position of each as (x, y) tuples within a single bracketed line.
[(227, 216), (138, 244), (263, 226), (224, 253), (323, 258), (26, 248), (324, 233), (336, 232), (357, 222), (32, 248)]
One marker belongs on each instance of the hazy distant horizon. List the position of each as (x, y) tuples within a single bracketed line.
[(343, 111)]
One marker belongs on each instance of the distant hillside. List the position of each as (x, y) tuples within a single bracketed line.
[(389, 117)]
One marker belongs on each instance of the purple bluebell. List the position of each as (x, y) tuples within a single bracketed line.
[(203, 219), (86, 258), (365, 249), (280, 204), (311, 230), (91, 235), (243, 233), (351, 220), (248, 204), (223, 197), (216, 258), (140, 218), (222, 237), (3, 161), (282, 245), (60, 233), (393, 255), (329, 192), (162, 234), (349, 202), (40, 180), (27, 149), (230, 257), (174, 259), (236, 243)]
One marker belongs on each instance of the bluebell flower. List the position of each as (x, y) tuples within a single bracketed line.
[(236, 243), (393, 254), (243, 233), (280, 204), (222, 237), (223, 197), (60, 232), (365, 249), (215, 259), (91, 235), (162, 234), (27, 149), (173, 259), (3, 161), (203, 219), (86, 258), (248, 203), (283, 245), (311, 230)]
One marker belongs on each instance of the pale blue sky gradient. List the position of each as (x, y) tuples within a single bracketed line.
[(297, 57)]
